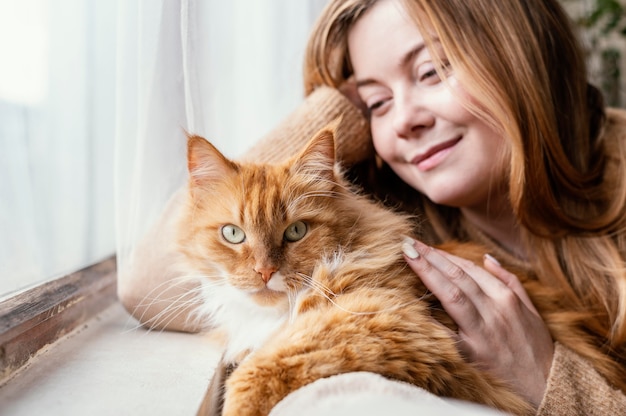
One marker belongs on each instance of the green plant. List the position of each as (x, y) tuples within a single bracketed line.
[(608, 16), (603, 28)]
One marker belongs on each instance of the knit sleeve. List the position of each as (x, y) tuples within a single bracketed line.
[(321, 107), (575, 388)]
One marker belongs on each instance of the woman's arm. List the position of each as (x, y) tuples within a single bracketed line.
[(321, 107), (575, 388)]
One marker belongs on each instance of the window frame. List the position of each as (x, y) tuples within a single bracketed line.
[(36, 318)]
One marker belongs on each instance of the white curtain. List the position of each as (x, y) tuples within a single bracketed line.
[(95, 96), (57, 84), (229, 71)]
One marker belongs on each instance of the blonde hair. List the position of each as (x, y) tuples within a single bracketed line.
[(523, 65)]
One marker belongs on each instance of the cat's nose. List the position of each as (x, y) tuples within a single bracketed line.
[(266, 272)]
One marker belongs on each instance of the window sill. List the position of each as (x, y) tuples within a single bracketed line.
[(38, 317), (68, 347), (107, 366)]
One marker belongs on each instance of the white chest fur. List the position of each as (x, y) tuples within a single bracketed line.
[(247, 324)]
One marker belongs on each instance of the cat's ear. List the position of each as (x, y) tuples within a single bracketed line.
[(206, 164), (318, 157)]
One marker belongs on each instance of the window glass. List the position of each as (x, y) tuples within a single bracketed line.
[(57, 127)]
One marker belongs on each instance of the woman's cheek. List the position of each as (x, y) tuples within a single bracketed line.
[(383, 143)]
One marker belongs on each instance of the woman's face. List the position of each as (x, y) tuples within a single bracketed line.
[(419, 124)]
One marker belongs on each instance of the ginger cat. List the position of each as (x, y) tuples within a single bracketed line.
[(308, 280)]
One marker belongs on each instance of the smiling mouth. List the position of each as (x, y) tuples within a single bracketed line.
[(434, 155)]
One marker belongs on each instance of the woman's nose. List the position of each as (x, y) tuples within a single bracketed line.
[(411, 116)]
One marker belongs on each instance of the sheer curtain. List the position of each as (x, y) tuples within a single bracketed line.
[(95, 97), (229, 71), (57, 83)]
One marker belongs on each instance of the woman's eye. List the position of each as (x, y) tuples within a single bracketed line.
[(295, 231), (427, 74), (374, 98), (377, 107), (233, 234), (371, 108)]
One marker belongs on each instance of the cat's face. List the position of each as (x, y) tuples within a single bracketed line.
[(261, 228)]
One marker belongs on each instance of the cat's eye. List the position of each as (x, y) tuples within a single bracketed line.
[(233, 234), (295, 231)]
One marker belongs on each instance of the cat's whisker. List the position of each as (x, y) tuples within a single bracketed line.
[(149, 301), (176, 309), (317, 285), (172, 283), (183, 306), (291, 299), (171, 312), (327, 293), (174, 303), (157, 295)]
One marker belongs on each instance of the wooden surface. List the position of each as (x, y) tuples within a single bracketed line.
[(38, 317)]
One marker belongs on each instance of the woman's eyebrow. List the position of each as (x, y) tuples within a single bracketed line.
[(408, 57), (405, 60)]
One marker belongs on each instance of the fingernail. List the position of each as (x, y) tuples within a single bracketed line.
[(408, 248), (492, 259)]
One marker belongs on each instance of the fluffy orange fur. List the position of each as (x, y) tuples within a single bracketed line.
[(354, 303)]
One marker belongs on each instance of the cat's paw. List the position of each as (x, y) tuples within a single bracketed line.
[(244, 396), (250, 392), (241, 406)]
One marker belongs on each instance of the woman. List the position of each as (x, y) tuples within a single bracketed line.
[(484, 108), (483, 122)]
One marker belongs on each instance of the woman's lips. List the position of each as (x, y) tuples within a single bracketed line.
[(435, 155)]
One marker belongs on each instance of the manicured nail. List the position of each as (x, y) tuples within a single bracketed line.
[(408, 248), (492, 259)]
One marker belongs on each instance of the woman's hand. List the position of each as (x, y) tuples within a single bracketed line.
[(499, 328)]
